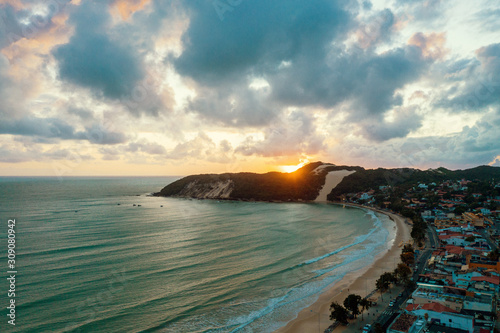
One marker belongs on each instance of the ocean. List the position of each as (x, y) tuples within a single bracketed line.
[(101, 255)]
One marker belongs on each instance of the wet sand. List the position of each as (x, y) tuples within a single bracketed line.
[(315, 318)]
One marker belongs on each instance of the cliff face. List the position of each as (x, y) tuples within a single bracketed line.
[(212, 190)]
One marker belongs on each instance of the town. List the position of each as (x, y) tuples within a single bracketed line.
[(454, 282)]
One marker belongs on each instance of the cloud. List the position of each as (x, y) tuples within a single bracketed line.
[(201, 148), (81, 113), (291, 136), (99, 134), (20, 153), (94, 59), (42, 127), (54, 128), (128, 7), (255, 35), (376, 29), (303, 61), (418, 10), (367, 82), (405, 121), (146, 147), (477, 82), (27, 20), (473, 145), (234, 105), (488, 19), (432, 44)]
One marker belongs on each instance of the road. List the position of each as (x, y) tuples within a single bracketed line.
[(389, 313), (486, 236)]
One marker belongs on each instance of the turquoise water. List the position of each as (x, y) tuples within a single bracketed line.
[(90, 261)]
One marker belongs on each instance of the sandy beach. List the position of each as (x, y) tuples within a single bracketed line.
[(315, 318)]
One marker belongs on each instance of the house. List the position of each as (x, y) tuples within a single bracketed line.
[(448, 296), (407, 323), (478, 262), (462, 279), (440, 314), (479, 302), (486, 283), (473, 219)]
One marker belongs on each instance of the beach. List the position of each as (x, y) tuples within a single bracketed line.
[(315, 318)]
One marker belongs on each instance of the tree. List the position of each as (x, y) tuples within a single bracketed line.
[(365, 304), (408, 258), (339, 313), (459, 210), (352, 303), (402, 272), (384, 281), (494, 255), (408, 248), (470, 239), (410, 285)]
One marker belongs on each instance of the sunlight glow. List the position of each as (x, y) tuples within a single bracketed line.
[(292, 168)]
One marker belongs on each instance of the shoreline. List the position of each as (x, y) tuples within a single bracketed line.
[(316, 316)]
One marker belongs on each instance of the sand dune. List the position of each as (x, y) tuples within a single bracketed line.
[(333, 178)]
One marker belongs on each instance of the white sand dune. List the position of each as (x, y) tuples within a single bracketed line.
[(332, 179)]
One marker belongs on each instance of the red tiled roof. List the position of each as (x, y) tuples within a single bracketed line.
[(412, 307), (437, 307), (452, 249), (490, 279)]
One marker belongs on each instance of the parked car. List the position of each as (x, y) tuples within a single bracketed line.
[(367, 328)]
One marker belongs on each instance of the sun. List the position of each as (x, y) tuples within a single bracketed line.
[(292, 168)]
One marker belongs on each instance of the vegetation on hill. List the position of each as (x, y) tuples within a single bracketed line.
[(304, 184), (404, 178)]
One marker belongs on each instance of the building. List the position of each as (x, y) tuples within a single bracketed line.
[(407, 323), (449, 297), (442, 315)]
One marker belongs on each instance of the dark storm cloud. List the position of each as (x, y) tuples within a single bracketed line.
[(95, 60), (482, 82), (405, 121), (298, 48), (53, 128), (42, 127), (256, 35), (366, 79)]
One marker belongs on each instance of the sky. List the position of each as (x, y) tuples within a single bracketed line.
[(170, 87)]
